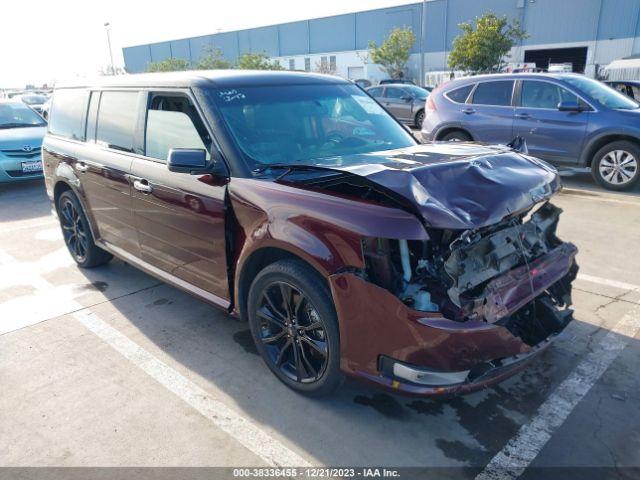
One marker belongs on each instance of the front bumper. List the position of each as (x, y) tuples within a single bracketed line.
[(437, 355), (11, 170)]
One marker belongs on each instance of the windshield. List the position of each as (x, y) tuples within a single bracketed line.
[(14, 115), (416, 91), (304, 124), (605, 95)]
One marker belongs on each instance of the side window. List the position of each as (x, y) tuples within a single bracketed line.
[(92, 117), (493, 93), (67, 113), (544, 95), (117, 120), (375, 92), (459, 95), (392, 92), (174, 122)]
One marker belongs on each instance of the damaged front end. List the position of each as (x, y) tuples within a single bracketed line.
[(491, 297)]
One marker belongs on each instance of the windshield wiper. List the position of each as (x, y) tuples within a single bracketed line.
[(288, 168)]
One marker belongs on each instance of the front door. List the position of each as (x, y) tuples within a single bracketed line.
[(398, 106), (180, 217), (550, 134)]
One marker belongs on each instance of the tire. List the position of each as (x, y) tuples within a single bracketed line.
[(616, 166), (456, 136), (287, 343), (419, 119), (77, 234)]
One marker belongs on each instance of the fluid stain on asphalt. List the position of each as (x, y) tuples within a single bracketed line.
[(384, 404), (245, 340), (523, 396), (99, 286)]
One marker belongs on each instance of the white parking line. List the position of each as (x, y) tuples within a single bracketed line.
[(524, 447), (598, 198), (268, 448), (609, 283), (28, 225)]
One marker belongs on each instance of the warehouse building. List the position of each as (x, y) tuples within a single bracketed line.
[(587, 34)]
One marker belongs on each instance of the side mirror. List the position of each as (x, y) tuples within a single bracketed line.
[(187, 160), (569, 107)]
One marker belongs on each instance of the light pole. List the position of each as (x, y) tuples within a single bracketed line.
[(106, 26)]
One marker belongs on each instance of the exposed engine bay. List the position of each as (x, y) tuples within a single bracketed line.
[(516, 273)]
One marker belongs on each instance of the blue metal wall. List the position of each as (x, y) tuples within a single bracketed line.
[(546, 21)]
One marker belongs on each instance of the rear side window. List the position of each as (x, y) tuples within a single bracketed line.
[(494, 93), (173, 122), (67, 113), (544, 95), (375, 92), (459, 95), (117, 120), (393, 92)]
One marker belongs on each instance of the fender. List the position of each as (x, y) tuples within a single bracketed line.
[(595, 137), (324, 230)]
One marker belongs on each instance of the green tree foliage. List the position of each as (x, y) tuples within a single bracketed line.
[(483, 49), (212, 59), (394, 52), (257, 61), (169, 65)]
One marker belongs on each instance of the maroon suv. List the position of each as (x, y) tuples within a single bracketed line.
[(298, 203)]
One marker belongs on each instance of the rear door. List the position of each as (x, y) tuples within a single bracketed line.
[(550, 134), (398, 106), (104, 163), (180, 217), (488, 114)]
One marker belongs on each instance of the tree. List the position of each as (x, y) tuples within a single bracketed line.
[(212, 59), (257, 61), (169, 65), (394, 52), (483, 49)]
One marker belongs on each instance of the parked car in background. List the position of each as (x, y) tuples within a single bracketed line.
[(34, 101), (21, 134), (630, 88), (403, 81), (566, 119), (403, 101), (362, 82), (296, 202)]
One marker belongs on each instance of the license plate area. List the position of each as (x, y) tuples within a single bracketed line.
[(32, 167)]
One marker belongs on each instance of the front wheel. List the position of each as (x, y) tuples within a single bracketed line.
[(616, 166), (77, 234), (295, 328), (419, 120)]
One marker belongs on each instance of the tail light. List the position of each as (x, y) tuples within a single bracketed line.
[(430, 106)]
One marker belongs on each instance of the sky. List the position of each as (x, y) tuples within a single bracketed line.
[(60, 39)]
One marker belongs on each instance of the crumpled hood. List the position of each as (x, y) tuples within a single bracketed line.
[(458, 185)]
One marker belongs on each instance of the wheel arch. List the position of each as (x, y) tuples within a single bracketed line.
[(258, 260), (600, 141), (62, 186), (452, 128)]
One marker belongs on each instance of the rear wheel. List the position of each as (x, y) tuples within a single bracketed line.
[(616, 166), (419, 119), (456, 136), (295, 327), (77, 234)]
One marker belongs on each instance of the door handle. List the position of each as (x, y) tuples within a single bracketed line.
[(142, 186), (468, 111), (82, 167), (523, 116)]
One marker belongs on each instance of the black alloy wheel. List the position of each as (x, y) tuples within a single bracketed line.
[(292, 332), (74, 230), (77, 234), (294, 326)]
